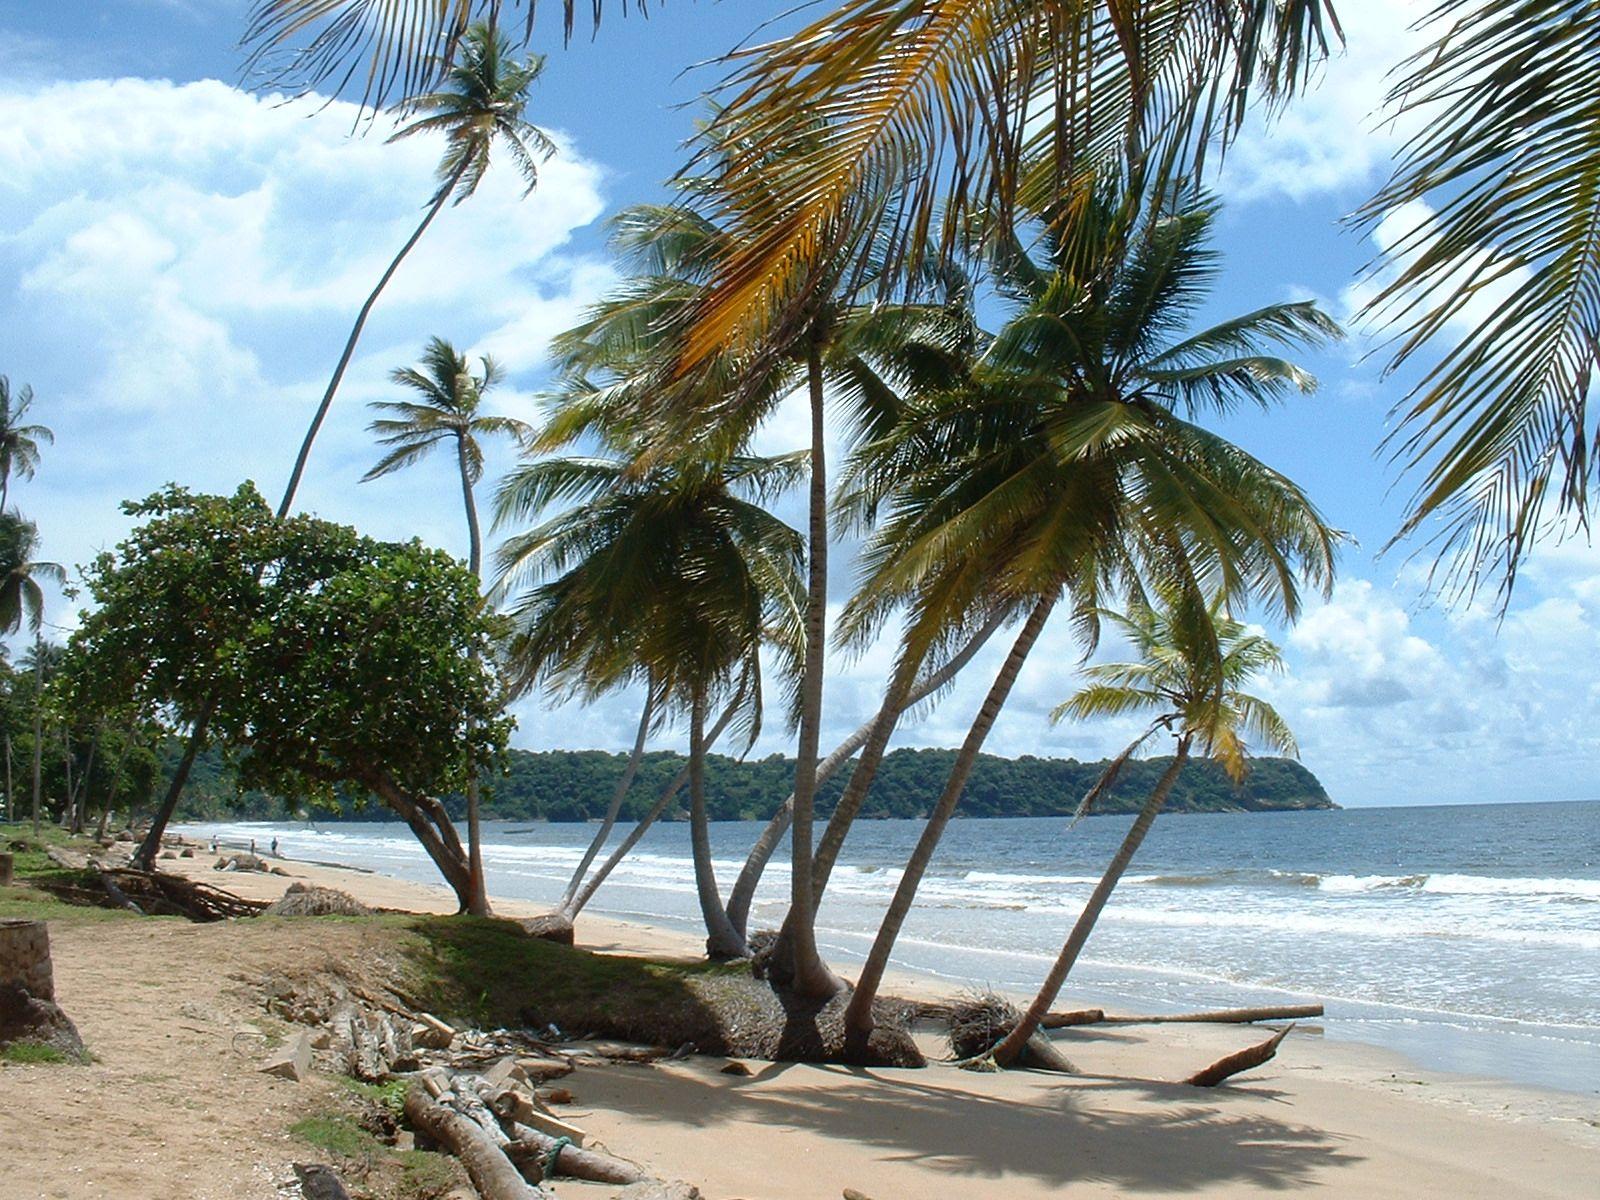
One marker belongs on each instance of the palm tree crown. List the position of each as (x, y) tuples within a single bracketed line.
[(481, 102), (20, 594), (19, 443), (1190, 669)]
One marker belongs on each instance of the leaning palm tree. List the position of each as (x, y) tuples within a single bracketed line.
[(634, 340), (19, 443), (1067, 468), (448, 411), (672, 570), (480, 106), (1192, 664)]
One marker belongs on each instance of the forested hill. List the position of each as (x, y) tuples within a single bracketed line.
[(576, 785)]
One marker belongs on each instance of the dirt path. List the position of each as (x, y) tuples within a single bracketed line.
[(174, 1105)]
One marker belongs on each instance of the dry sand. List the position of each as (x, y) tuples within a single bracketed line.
[(174, 1107)]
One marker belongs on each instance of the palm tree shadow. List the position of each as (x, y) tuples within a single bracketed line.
[(1148, 1136)]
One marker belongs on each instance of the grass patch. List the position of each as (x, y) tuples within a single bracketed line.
[(491, 973), (34, 1052), (391, 1095), (425, 1175), (337, 1135), (34, 873)]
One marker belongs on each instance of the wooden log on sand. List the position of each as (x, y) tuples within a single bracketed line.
[(491, 1172), (1080, 1016), (1241, 1060), (530, 1146), (1223, 1016)]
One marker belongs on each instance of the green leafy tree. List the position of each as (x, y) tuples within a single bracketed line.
[(327, 662), (449, 410), (19, 443), (1069, 467), (1192, 666)]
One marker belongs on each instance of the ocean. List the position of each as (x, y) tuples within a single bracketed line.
[(1466, 937)]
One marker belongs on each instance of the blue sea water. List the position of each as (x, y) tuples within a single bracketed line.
[(1467, 937)]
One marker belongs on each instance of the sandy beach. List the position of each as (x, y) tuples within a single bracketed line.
[(173, 1106)]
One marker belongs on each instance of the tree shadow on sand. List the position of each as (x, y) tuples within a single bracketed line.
[(1160, 1142)]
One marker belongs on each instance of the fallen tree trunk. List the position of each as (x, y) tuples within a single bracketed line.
[(1222, 1016), (1241, 1060), (1065, 1020), (556, 1156), (491, 1172)]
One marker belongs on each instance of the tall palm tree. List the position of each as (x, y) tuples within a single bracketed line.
[(675, 562), (1067, 467), (1192, 663), (635, 339), (479, 107), (448, 411), (19, 443)]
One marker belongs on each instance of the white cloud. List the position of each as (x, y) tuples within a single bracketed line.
[(1336, 136), (179, 267)]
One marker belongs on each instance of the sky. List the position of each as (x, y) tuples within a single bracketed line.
[(181, 255)]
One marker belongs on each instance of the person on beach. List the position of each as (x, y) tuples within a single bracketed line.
[(275, 853)]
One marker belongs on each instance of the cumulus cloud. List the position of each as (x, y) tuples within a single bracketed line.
[(1337, 136), (179, 267)]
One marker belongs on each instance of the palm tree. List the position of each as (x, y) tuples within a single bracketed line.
[(1192, 663), (448, 411), (480, 106), (21, 597), (1064, 468), (673, 569), (634, 341), (19, 443)]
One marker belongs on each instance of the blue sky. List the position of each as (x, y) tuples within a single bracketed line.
[(180, 258)]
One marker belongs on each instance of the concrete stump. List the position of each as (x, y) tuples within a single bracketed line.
[(25, 957), (28, 1009)]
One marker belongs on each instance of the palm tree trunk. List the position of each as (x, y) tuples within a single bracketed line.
[(145, 858), (615, 807), (38, 722), (1011, 1046), (811, 974), (11, 800), (858, 1017), (80, 794), (855, 793), (295, 476), (833, 836), (478, 904), (721, 940), (649, 819), (69, 811)]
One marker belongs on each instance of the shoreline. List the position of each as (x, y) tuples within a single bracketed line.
[(182, 1109), (636, 934)]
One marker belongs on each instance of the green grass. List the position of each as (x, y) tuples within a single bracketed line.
[(392, 1095), (34, 1052), (337, 1135), (27, 897), (425, 1175), (492, 974)]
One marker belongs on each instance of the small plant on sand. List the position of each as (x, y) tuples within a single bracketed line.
[(336, 1134), (35, 1052), (425, 1175)]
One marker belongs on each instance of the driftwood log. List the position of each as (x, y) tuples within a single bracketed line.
[(530, 1147), (1222, 1016), (491, 1172), (1241, 1060), (1080, 1016)]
